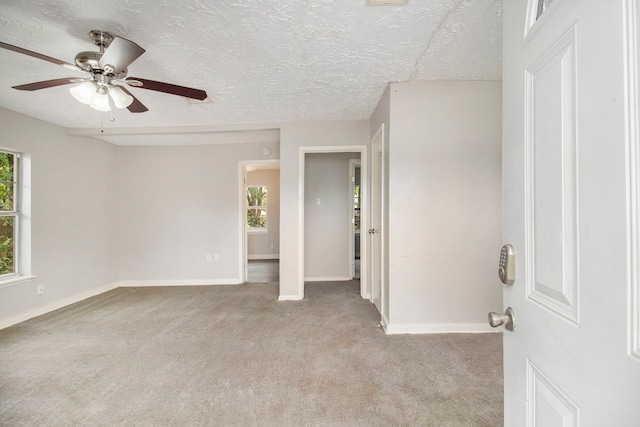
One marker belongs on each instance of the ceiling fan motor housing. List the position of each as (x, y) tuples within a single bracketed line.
[(89, 61)]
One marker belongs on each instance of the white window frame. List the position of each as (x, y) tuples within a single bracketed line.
[(15, 213), (22, 220), (258, 230)]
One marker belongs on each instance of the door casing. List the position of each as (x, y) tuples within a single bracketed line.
[(378, 224)]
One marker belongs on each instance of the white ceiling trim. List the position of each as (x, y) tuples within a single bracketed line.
[(191, 138)]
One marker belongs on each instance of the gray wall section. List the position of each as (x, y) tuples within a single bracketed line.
[(177, 204), (444, 202), (73, 221)]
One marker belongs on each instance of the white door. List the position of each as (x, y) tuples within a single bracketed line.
[(569, 186), (376, 219)]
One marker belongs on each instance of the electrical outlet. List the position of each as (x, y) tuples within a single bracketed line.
[(208, 257), (216, 257), (40, 289), (271, 246)]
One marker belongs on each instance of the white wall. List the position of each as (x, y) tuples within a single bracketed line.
[(262, 245), (73, 217), (177, 204), (444, 205), (328, 212), (292, 137)]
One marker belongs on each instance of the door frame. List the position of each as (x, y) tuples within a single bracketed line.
[(632, 112), (364, 207), (380, 133), (242, 212)]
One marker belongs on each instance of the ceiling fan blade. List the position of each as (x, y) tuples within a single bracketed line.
[(47, 83), (136, 106), (187, 92), (40, 56), (120, 53)]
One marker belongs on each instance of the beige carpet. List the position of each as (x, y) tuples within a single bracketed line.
[(234, 356)]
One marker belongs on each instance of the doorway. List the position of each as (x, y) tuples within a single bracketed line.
[(312, 199), (260, 220)]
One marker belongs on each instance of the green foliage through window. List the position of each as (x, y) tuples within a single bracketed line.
[(257, 206), (8, 213)]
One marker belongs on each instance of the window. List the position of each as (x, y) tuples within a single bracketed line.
[(9, 215), (257, 207)]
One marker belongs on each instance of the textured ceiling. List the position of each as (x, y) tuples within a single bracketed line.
[(260, 61)]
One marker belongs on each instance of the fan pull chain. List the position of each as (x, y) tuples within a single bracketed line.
[(111, 107)]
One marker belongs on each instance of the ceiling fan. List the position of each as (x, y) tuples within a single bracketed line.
[(105, 68)]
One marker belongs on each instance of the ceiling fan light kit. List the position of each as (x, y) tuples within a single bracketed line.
[(100, 102), (120, 99), (104, 67), (84, 92), (95, 95)]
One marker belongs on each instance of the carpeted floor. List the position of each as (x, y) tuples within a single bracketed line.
[(234, 356)]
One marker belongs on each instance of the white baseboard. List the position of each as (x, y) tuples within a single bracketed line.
[(264, 256), (384, 322), (5, 323), (439, 328), (327, 279), (195, 282), (289, 298)]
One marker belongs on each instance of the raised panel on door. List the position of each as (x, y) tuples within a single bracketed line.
[(551, 179), (547, 405), (551, 216)]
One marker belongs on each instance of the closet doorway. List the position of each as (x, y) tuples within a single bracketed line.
[(315, 204)]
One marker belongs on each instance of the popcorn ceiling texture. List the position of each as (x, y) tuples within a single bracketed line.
[(260, 61)]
